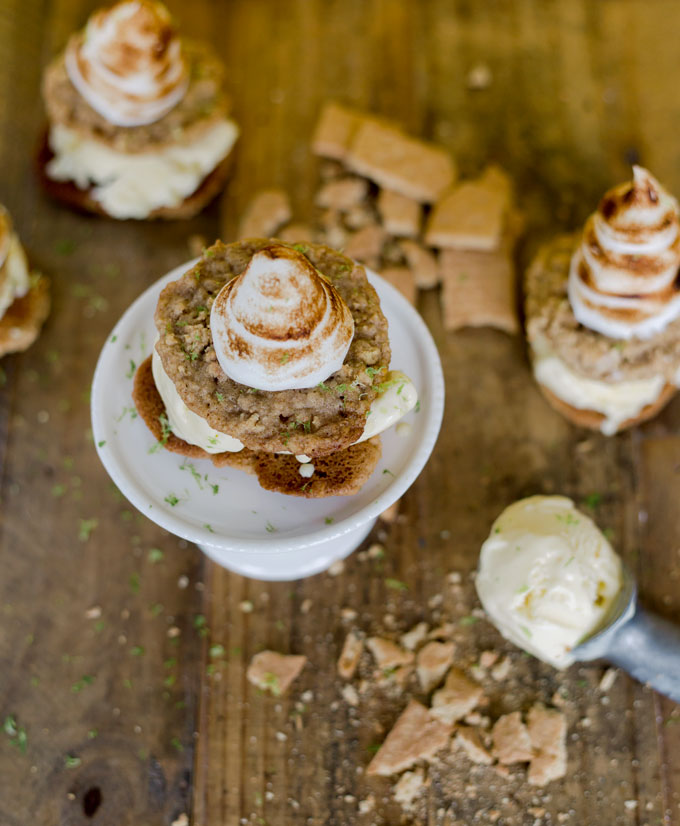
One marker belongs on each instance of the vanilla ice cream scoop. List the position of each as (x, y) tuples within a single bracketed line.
[(550, 582), (280, 324), (622, 279), (128, 63), (547, 577)]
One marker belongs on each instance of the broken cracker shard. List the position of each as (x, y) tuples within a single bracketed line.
[(274, 672), (350, 655), (416, 735)]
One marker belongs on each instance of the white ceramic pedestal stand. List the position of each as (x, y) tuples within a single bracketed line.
[(246, 529)]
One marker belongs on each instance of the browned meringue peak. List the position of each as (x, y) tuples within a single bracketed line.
[(280, 324), (128, 63), (623, 279)]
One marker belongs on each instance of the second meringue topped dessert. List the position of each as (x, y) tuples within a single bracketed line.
[(139, 122), (24, 295), (274, 358), (603, 310)]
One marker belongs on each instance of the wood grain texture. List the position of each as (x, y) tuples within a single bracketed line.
[(578, 91)]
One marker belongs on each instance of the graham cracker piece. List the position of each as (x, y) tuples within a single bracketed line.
[(433, 662), (268, 210), (296, 233), (411, 167), (412, 638), (400, 215), (415, 736), (23, 319), (366, 244), (342, 194), (275, 672), (478, 290), (408, 787), (388, 654), (547, 732), (457, 698), (422, 262), (511, 743), (338, 474), (334, 130), (468, 739), (350, 655), (403, 279), (471, 216)]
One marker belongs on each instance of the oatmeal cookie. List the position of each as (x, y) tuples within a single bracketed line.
[(341, 474), (587, 352), (21, 323), (201, 107), (314, 421)]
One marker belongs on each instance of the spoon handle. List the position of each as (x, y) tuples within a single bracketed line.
[(648, 648)]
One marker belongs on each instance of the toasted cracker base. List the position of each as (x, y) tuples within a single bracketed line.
[(593, 420), (81, 200), (21, 323), (339, 474)]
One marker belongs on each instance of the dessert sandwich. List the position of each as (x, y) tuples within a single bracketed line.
[(138, 121), (603, 310), (24, 295), (274, 358)]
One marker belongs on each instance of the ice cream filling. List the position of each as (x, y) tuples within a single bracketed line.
[(397, 399), (547, 577), (131, 185), (14, 272)]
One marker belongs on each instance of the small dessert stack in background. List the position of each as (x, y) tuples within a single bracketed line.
[(393, 203)]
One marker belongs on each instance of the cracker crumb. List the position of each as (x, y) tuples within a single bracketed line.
[(416, 735), (408, 787), (350, 694), (306, 606), (457, 698), (470, 742), (376, 551), (181, 820), (608, 679), (348, 614), (488, 658), (268, 210), (93, 613), (246, 606), (388, 654), (275, 672), (511, 742), (334, 130), (400, 215), (337, 567), (350, 655), (547, 730), (422, 263), (390, 514), (479, 77), (342, 194), (367, 805), (411, 167), (432, 663), (501, 671), (412, 639)]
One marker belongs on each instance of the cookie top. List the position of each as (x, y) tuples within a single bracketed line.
[(315, 421), (203, 104), (549, 317)]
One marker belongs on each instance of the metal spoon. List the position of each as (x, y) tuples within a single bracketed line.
[(641, 643)]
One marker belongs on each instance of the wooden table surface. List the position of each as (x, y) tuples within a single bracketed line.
[(105, 647)]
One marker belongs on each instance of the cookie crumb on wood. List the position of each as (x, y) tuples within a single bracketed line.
[(422, 262), (342, 193), (398, 162), (414, 636), (403, 280), (408, 788), (547, 729), (334, 130), (478, 290), (458, 697), (416, 735), (275, 672), (432, 662), (350, 655), (268, 210), (511, 743), (388, 654), (400, 215), (470, 742)]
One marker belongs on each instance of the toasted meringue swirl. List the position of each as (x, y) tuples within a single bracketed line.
[(280, 325), (623, 280), (128, 63)]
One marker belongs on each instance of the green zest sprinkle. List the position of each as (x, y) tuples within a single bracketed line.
[(329, 520), (65, 246), (219, 396), (270, 528), (171, 499), (387, 470), (134, 583), (137, 650), (131, 370), (271, 682), (216, 650), (86, 527), (469, 620), (396, 584), (155, 555), (72, 762), (284, 358), (592, 500), (16, 733)]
